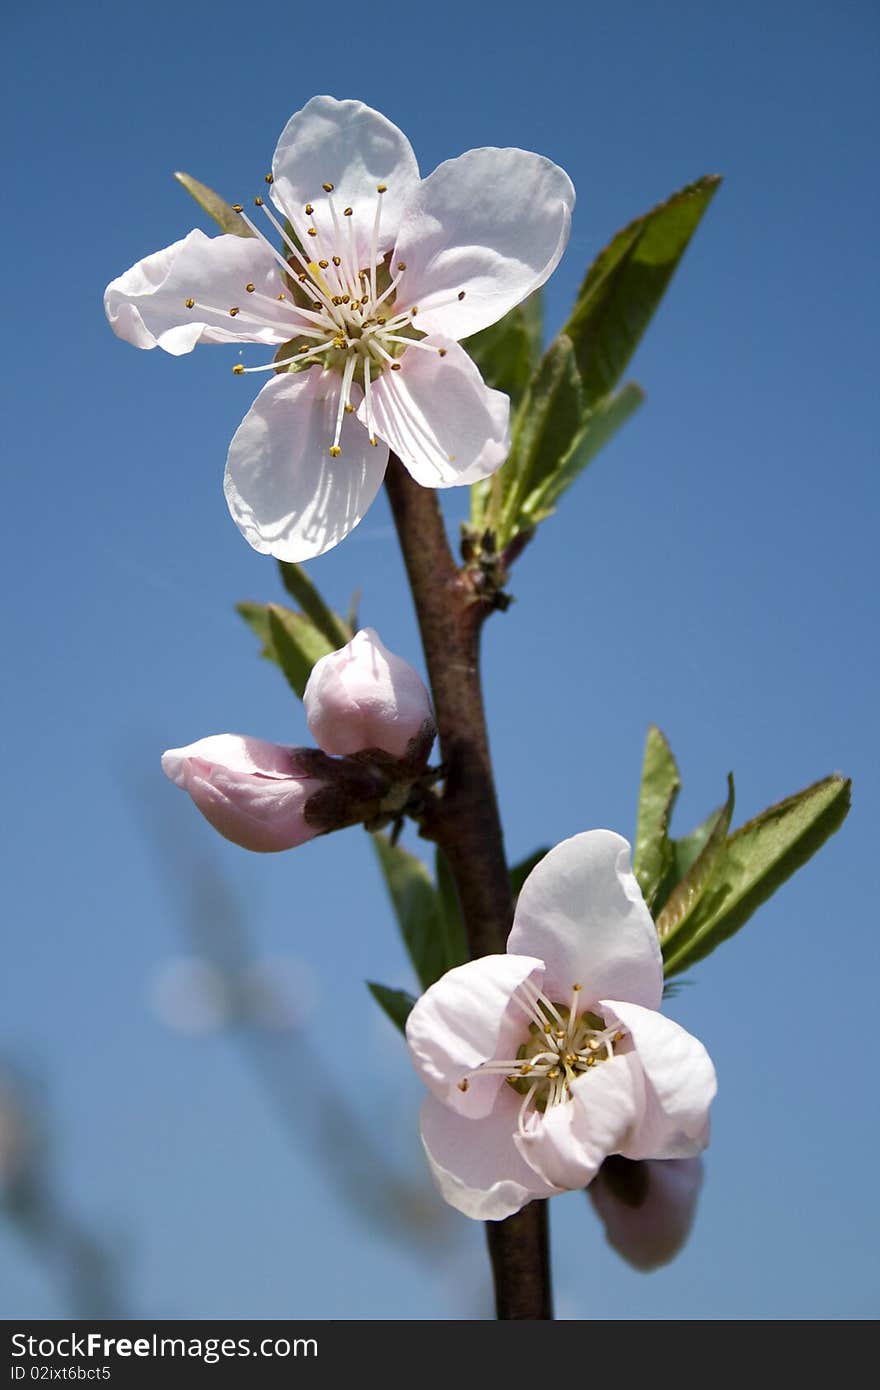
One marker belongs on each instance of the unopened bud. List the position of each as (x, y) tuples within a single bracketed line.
[(364, 696)]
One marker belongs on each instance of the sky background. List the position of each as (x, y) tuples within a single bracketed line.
[(713, 572)]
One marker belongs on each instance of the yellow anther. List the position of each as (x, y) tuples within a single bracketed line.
[(336, 300), (190, 304), (279, 296), (526, 1068), (309, 209), (268, 178), (570, 1058), (591, 1061), (381, 321), (442, 351), (302, 278), (238, 369), (464, 1083), (373, 440), (250, 288), (258, 202), (577, 988), (327, 187), (401, 265), (335, 451), (349, 408), (313, 231), (337, 261), (233, 312), (316, 304), (618, 1037), (553, 1075), (381, 188), (237, 207), (560, 1034), (414, 310), (323, 264), (548, 1028), (395, 366), (346, 298), (347, 212)]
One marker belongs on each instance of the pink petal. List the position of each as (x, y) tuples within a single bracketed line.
[(581, 911), (568, 1143), (680, 1084), (493, 223), (474, 1162), (287, 495), (647, 1214), (445, 425), (355, 148), (251, 791), (363, 696), (147, 305), (465, 1019)]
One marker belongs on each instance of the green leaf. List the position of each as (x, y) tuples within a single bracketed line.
[(601, 424), (455, 948), (520, 872), (683, 853), (625, 284), (227, 219), (688, 892), (289, 639), (756, 860), (433, 948), (396, 1003), (660, 787), (507, 352), (299, 585)]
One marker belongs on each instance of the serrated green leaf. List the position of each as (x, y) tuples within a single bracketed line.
[(682, 902), (625, 284), (520, 872), (757, 859), (601, 424), (299, 585), (288, 639), (507, 352), (417, 907), (227, 219), (396, 1003), (659, 788)]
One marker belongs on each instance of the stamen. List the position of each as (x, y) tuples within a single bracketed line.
[(347, 375)]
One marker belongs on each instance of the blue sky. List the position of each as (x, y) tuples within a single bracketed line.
[(714, 573)]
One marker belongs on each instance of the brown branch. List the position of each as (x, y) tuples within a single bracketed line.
[(466, 823)]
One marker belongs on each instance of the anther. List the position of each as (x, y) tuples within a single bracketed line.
[(347, 212), (309, 209), (337, 261), (395, 366), (313, 231), (302, 278), (401, 265), (335, 451), (233, 312), (618, 1037), (414, 310), (381, 188), (559, 1034), (258, 202), (268, 178), (349, 408), (323, 264), (577, 988), (238, 369), (461, 294), (381, 322), (464, 1083), (250, 288), (442, 351), (190, 304), (346, 298), (317, 305), (327, 187), (279, 296), (374, 441), (237, 207), (592, 1044)]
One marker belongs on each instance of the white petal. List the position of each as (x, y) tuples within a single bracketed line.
[(287, 495), (680, 1084), (445, 425), (568, 1143), (647, 1216), (493, 223), (147, 305), (464, 1020), (474, 1162), (355, 148), (582, 912)]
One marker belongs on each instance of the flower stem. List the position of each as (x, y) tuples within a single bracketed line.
[(465, 823)]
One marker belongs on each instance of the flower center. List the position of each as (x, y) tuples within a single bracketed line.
[(563, 1042), (341, 313)]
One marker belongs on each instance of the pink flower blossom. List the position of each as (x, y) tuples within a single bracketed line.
[(647, 1208), (544, 1061), (364, 696), (380, 275)]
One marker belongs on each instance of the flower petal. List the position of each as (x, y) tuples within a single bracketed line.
[(680, 1084), (445, 425), (465, 1019), (251, 791), (287, 495), (147, 305), (568, 1143), (364, 696), (582, 912), (355, 148), (493, 223), (474, 1161), (647, 1208)]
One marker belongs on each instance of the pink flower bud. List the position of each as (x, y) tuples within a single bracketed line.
[(253, 792), (647, 1207), (366, 697)]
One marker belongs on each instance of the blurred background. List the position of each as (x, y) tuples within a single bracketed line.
[(202, 1112)]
